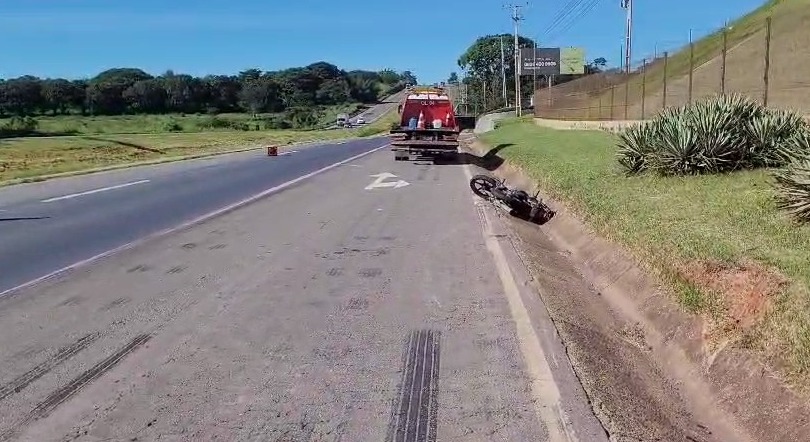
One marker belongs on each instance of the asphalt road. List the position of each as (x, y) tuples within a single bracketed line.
[(49, 225), (374, 113), (352, 306), (377, 111)]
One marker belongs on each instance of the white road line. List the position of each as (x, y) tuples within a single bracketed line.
[(187, 224), (90, 192), (544, 390)]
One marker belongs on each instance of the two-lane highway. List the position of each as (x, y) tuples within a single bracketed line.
[(375, 300), (50, 225)]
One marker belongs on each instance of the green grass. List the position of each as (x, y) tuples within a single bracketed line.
[(147, 124), (27, 158), (667, 222)]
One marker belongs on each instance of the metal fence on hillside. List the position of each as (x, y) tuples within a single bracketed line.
[(768, 60)]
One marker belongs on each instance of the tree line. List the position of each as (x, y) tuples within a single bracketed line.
[(120, 91), (484, 77)]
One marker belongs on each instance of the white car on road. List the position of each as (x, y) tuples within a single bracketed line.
[(360, 120)]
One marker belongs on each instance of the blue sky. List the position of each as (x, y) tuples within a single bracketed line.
[(79, 38)]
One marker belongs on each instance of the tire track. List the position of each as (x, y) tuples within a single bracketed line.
[(414, 416), (71, 388), (40, 370)]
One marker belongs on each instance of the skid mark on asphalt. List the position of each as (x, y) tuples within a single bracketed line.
[(370, 272), (67, 391), (414, 417), (40, 370), (176, 269), (116, 303), (139, 268), (73, 300)]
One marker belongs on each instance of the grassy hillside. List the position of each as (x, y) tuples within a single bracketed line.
[(744, 72)]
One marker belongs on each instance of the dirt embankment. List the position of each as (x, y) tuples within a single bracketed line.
[(647, 365)]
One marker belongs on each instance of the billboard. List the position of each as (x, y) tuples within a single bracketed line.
[(552, 61), (572, 61)]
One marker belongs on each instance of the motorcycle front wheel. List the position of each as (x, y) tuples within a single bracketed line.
[(482, 185)]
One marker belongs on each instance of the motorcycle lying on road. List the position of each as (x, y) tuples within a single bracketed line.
[(517, 202)]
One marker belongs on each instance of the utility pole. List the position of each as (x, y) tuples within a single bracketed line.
[(516, 18), (628, 44), (503, 72), (534, 70)]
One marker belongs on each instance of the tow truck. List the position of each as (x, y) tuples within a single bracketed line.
[(427, 125)]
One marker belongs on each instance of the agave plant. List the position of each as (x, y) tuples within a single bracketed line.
[(718, 134), (770, 139), (676, 152), (634, 148), (717, 137), (793, 189), (742, 107), (798, 144)]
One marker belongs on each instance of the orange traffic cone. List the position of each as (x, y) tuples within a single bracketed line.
[(420, 124)]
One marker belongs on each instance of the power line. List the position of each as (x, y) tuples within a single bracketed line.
[(588, 7), (580, 14), (562, 14)]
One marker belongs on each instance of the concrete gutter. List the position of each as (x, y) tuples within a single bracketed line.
[(609, 126), (613, 126)]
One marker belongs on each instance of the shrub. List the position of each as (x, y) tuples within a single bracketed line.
[(18, 127), (793, 182), (302, 117), (172, 126), (716, 135), (214, 122), (276, 123)]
